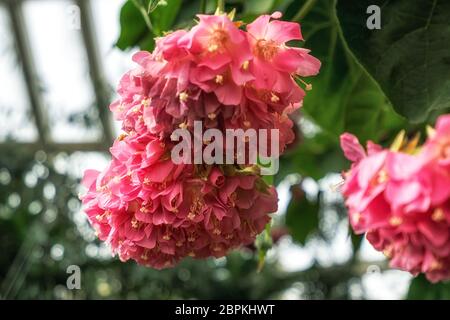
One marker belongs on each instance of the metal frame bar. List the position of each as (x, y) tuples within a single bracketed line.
[(54, 147), (29, 70), (101, 89), (96, 70)]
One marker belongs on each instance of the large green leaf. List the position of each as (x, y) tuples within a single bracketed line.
[(422, 289), (163, 17), (344, 98), (409, 56), (134, 32), (302, 216)]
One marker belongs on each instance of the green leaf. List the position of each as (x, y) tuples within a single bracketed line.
[(302, 216), (163, 17), (344, 97), (258, 6), (422, 289), (268, 179), (133, 29), (409, 56)]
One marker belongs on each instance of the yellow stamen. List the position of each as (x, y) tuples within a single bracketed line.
[(356, 217), (134, 223), (436, 265), (382, 176), (388, 252), (308, 86), (191, 216), (395, 221), (274, 98), (219, 79), (183, 125), (122, 136), (266, 49), (145, 102), (213, 47), (183, 96), (144, 210), (245, 65), (438, 215)]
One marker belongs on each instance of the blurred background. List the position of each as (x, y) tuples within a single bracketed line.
[(60, 61)]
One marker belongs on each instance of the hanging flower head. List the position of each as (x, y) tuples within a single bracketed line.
[(400, 197), (156, 212)]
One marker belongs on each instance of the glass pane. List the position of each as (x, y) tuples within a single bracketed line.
[(106, 16), (16, 121), (62, 66), (115, 62)]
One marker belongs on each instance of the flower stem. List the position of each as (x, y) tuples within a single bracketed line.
[(144, 14), (304, 10)]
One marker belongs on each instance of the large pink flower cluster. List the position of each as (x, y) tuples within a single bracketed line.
[(157, 212), (219, 74), (401, 199)]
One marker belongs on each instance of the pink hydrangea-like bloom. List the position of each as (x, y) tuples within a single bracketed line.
[(222, 75), (155, 212), (401, 200)]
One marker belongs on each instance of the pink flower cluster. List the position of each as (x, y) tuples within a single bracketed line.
[(219, 74), (401, 199), (156, 212)]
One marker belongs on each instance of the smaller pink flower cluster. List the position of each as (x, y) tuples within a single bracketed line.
[(221, 75), (155, 212), (401, 199)]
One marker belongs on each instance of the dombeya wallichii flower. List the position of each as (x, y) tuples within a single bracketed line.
[(401, 200), (220, 74), (156, 212)]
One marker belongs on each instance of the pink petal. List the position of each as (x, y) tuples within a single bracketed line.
[(353, 150)]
